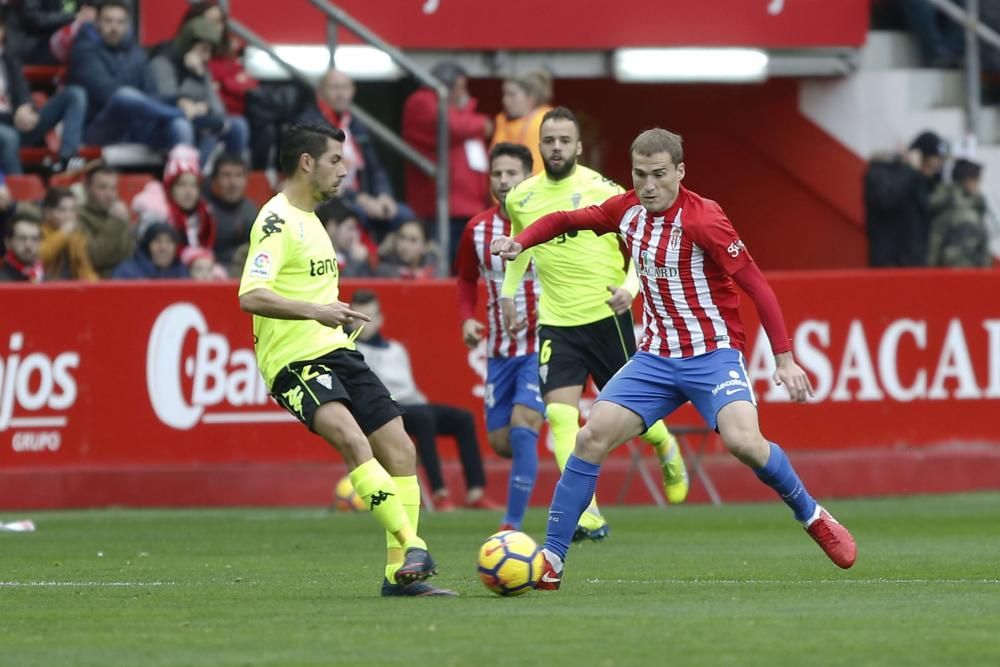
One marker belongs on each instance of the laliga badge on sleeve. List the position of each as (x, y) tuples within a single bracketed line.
[(260, 267)]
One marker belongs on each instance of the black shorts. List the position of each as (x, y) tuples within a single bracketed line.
[(567, 355), (342, 375)]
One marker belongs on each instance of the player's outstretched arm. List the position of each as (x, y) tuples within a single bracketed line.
[(265, 303)]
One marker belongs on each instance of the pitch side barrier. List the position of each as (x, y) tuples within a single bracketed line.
[(148, 393)]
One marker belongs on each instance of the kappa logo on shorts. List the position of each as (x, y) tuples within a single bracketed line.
[(293, 398), (326, 381)]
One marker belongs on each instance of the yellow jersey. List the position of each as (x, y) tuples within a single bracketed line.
[(291, 254)]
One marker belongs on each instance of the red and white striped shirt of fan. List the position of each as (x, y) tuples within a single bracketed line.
[(688, 258), (474, 260)]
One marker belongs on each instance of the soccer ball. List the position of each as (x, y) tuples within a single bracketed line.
[(345, 498), (510, 563)]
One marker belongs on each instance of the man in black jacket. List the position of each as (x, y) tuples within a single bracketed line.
[(33, 22), (897, 208)]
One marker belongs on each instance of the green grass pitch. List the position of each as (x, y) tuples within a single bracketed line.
[(737, 585)]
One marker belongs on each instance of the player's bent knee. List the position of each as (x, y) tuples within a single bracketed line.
[(746, 444), (335, 424), (394, 449), (590, 446), (526, 417), (500, 442)]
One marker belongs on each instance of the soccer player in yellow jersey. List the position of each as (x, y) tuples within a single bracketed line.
[(585, 318), (290, 285)]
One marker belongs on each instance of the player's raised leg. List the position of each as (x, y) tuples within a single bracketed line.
[(609, 425), (740, 431), (668, 451)]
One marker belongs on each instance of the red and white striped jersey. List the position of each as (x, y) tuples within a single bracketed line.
[(684, 257), (474, 260)]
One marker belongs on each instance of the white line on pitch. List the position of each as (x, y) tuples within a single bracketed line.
[(785, 582), (85, 584)]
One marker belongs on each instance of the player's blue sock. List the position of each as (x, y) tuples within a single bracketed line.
[(573, 494), (778, 474), (523, 471)]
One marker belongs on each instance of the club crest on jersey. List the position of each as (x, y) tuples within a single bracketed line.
[(576, 199), (735, 247), (326, 381), (674, 242), (260, 266)]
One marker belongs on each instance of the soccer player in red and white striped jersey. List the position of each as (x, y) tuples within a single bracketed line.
[(514, 407), (689, 260)]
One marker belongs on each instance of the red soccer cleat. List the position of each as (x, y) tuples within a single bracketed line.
[(484, 503), (551, 574), (506, 526), (833, 538)]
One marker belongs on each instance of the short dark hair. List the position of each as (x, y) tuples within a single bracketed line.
[(965, 170), (227, 158), (516, 151), (27, 216), (363, 297), (101, 168), (54, 195), (561, 113), (120, 4), (305, 138)]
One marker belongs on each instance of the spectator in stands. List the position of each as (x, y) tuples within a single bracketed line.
[(941, 40), (468, 164), (897, 207), (21, 262), (104, 221), (366, 188), (61, 41), (201, 265), (181, 76), (353, 254), (525, 101), (423, 421), (33, 23), (959, 237), (233, 212), (406, 254), (155, 258), (189, 213), (64, 247), (21, 123), (111, 67)]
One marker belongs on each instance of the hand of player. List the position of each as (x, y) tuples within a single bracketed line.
[(510, 321), (505, 247), (472, 333), (338, 314), (793, 377), (620, 301)]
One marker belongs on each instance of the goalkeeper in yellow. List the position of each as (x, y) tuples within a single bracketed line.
[(585, 318), (290, 285)]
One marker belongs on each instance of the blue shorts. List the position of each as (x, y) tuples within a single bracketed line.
[(653, 386), (509, 381)]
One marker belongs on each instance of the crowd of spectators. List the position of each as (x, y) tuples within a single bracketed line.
[(191, 99)]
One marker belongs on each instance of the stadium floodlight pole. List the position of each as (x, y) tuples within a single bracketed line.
[(426, 78), (381, 131)]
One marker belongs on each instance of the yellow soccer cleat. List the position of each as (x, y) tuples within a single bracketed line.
[(675, 474)]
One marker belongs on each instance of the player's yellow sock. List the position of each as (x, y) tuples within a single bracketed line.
[(564, 420), (381, 496), (661, 440), (409, 495)]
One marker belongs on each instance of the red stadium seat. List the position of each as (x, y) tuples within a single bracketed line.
[(25, 187), (44, 76), (259, 189), (129, 185)]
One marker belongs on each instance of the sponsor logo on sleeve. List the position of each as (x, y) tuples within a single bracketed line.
[(736, 247)]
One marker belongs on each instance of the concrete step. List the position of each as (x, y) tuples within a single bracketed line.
[(886, 49)]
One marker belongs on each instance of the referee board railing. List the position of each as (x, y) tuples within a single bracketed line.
[(439, 170)]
